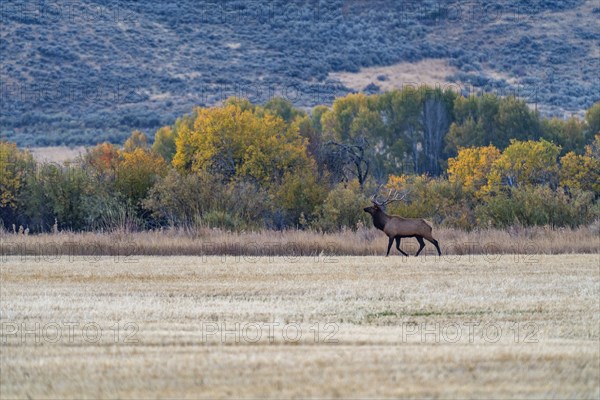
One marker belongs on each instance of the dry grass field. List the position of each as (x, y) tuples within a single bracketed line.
[(363, 242), (471, 326)]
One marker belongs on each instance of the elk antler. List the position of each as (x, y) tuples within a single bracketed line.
[(393, 195)]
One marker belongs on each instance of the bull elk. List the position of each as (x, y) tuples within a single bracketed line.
[(396, 227)]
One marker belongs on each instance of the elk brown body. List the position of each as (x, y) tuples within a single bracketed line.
[(396, 227)]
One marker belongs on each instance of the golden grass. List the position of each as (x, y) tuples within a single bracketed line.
[(526, 241), (535, 327)]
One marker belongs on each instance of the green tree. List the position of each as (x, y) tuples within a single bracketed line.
[(474, 124), (282, 108), (338, 122), (515, 121), (298, 196), (400, 110), (467, 134), (313, 137), (436, 117), (342, 208), (415, 123), (569, 134), (488, 119), (592, 119), (316, 115), (57, 194), (164, 143)]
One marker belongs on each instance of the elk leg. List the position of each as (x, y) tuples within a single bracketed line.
[(421, 244), (398, 246), (390, 246), (435, 243)]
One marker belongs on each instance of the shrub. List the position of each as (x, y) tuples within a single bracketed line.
[(343, 208), (137, 172), (537, 205), (222, 219), (182, 199), (201, 199), (299, 196)]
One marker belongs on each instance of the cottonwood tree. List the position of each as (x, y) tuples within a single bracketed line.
[(349, 129), (164, 143), (592, 118), (233, 142), (582, 171), (489, 119), (435, 121), (526, 163), (349, 161), (472, 166)]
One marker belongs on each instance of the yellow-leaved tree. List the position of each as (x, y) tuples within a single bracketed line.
[(582, 171), (238, 144), (137, 140), (233, 142), (132, 170), (472, 166), (137, 172), (14, 164), (525, 163)]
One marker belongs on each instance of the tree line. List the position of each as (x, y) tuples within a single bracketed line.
[(468, 162)]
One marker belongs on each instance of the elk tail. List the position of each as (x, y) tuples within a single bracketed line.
[(428, 223)]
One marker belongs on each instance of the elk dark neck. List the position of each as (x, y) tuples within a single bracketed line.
[(380, 219)]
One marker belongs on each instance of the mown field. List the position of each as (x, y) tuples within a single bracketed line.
[(470, 326)]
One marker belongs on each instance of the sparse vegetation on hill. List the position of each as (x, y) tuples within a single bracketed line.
[(92, 71)]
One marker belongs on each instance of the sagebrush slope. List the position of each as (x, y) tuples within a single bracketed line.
[(95, 70)]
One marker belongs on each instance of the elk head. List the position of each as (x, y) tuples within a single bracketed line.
[(379, 204)]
